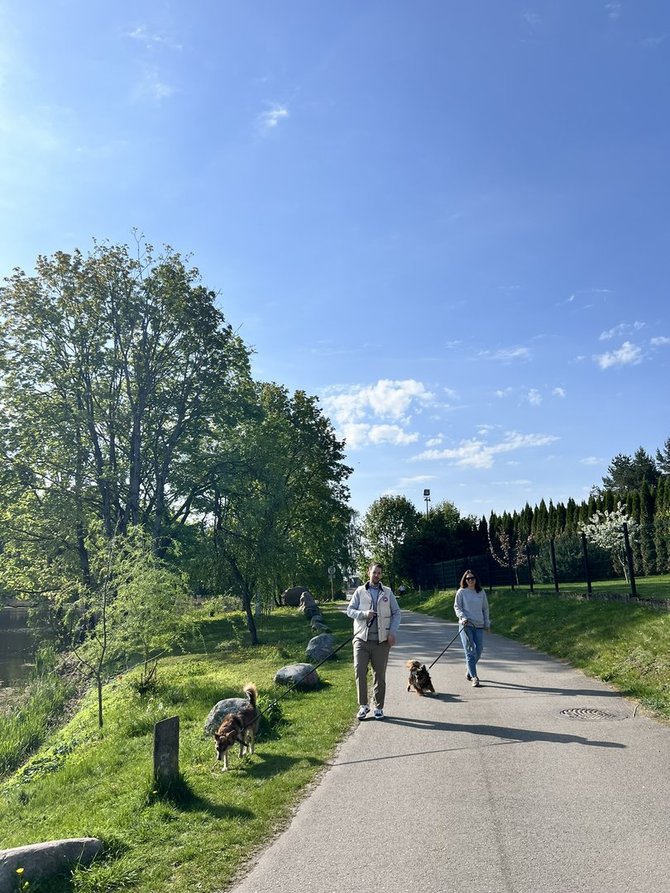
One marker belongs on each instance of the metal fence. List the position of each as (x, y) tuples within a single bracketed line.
[(562, 562)]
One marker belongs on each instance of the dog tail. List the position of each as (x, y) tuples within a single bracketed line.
[(251, 692)]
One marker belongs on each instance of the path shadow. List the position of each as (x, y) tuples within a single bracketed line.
[(520, 686), (504, 734)]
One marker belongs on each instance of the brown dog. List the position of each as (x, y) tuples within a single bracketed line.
[(419, 678), (240, 728)]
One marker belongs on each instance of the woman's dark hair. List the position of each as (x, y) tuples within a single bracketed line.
[(464, 583)]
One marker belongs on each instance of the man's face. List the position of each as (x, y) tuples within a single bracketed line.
[(375, 575)]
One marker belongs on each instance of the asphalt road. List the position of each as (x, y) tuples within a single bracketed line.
[(540, 781)]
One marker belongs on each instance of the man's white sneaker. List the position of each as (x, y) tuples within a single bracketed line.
[(379, 713), (362, 712)]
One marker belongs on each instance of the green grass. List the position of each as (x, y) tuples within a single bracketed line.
[(622, 643), (24, 728), (96, 782), (647, 588)]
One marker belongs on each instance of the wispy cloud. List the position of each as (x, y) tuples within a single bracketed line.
[(152, 39), (659, 341), (619, 331), (153, 87), (654, 41), (627, 355), (590, 460), (270, 119), (506, 354), (480, 454), (613, 9), (534, 397), (559, 392)]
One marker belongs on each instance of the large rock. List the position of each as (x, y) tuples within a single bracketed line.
[(307, 601), (320, 647), (291, 597), (318, 625), (218, 711), (300, 675), (41, 861)]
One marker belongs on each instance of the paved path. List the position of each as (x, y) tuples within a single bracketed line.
[(489, 790)]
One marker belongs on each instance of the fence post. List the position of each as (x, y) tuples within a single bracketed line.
[(530, 571), (629, 561), (587, 570), (490, 570), (553, 563)]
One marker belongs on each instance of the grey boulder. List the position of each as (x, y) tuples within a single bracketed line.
[(300, 675)]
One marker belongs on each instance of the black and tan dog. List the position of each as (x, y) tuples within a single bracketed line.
[(240, 727), (419, 678)]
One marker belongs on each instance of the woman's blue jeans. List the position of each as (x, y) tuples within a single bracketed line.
[(473, 645)]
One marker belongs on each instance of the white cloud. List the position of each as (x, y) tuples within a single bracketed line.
[(384, 400), (435, 441), (360, 434), (660, 341), (620, 330), (628, 354), (270, 119), (479, 454), (559, 392), (506, 354), (590, 460), (534, 397)]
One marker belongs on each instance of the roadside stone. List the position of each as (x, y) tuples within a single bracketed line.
[(291, 597), (41, 861), (302, 675), (221, 709), (320, 647)]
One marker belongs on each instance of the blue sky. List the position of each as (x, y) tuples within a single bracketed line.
[(449, 220)]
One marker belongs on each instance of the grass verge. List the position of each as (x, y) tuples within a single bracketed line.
[(97, 782), (622, 643)]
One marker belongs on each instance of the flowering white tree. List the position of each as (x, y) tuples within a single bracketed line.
[(605, 529)]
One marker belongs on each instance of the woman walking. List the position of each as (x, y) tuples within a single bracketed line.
[(472, 609)]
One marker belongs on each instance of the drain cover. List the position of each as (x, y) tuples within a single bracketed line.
[(587, 714)]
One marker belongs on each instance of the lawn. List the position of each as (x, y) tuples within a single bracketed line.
[(98, 782)]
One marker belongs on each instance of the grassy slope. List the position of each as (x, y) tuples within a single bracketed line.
[(622, 643), (98, 782)]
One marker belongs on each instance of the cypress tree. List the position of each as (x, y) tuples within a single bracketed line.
[(647, 545)]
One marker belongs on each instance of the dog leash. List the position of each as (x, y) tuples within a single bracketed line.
[(444, 649), (298, 681)]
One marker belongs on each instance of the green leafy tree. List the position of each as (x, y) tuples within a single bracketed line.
[(276, 505), (388, 523)]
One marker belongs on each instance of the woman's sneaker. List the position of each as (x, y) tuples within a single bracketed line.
[(362, 712), (475, 682)]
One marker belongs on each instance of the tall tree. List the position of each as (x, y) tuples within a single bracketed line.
[(275, 506), (626, 473), (388, 522), (114, 369)]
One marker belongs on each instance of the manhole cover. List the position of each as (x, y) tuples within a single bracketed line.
[(588, 714)]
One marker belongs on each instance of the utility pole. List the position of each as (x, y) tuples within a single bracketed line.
[(426, 499)]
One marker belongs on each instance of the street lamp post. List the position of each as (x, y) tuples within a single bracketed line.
[(426, 499)]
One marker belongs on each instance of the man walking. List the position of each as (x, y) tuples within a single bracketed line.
[(376, 615)]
